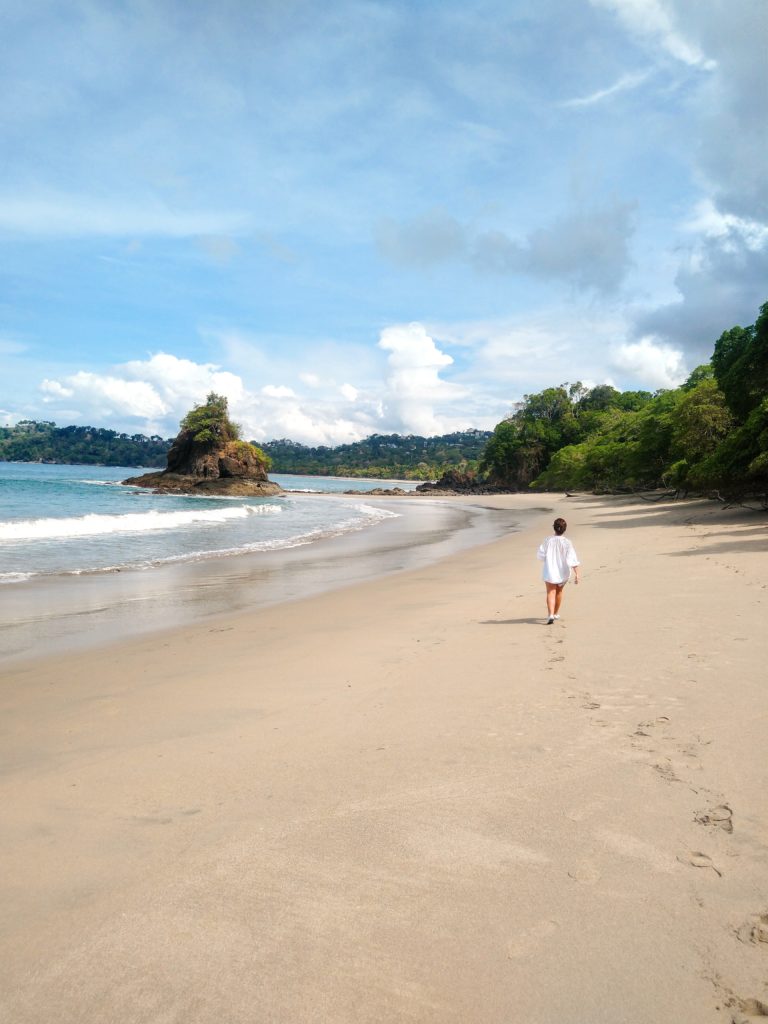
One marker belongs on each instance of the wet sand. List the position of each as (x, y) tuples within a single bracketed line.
[(51, 614), (408, 799)]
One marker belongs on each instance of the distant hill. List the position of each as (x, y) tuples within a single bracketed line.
[(32, 441), (381, 455)]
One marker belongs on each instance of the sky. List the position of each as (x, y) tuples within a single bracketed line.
[(371, 216)]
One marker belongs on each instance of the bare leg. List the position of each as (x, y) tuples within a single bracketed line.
[(558, 597), (551, 598)]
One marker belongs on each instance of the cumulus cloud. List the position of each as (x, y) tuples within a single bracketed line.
[(182, 381), (650, 363), (113, 396), (53, 389), (512, 357), (416, 397), (153, 395), (349, 392), (278, 391)]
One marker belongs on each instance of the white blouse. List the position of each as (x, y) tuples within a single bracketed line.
[(559, 556)]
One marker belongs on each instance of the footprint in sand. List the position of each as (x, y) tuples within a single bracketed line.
[(754, 931), (696, 859), (591, 705), (666, 771), (716, 817), (586, 874), (749, 1010)]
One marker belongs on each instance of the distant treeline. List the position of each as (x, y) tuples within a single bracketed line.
[(32, 441), (708, 435), (381, 456)]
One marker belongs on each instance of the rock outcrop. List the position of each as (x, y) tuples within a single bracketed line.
[(227, 467), (458, 481)]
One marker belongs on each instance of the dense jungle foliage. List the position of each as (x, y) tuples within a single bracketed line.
[(382, 456), (710, 434), (31, 441)]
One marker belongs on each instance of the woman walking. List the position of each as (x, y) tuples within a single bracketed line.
[(559, 557)]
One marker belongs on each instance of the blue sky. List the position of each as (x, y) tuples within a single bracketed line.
[(358, 217)]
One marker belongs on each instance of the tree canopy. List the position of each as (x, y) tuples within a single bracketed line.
[(209, 423), (711, 433)]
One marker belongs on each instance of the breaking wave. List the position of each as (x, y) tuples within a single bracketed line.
[(94, 525)]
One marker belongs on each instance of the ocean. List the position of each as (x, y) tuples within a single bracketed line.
[(86, 561), (58, 520)]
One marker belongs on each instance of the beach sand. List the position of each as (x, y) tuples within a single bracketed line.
[(410, 800)]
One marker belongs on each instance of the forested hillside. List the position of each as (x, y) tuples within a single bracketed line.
[(381, 455), (31, 441), (418, 458), (710, 434)]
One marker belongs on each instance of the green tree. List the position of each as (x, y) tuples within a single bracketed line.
[(740, 362), (209, 423)]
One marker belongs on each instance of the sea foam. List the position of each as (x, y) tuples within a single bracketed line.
[(132, 522)]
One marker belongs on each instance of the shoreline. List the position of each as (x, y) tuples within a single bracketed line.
[(53, 613), (408, 799)]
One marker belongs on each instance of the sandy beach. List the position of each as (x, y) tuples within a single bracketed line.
[(408, 800)]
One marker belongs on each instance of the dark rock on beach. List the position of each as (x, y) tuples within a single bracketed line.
[(205, 467), (457, 481), (382, 492)]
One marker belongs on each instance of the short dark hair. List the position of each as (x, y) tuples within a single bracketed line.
[(560, 527)]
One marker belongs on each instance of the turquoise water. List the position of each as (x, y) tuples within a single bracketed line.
[(79, 519)]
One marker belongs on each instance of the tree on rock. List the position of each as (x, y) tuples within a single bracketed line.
[(210, 423), (208, 456)]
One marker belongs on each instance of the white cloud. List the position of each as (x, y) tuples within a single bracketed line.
[(650, 363), (417, 398), (349, 392), (278, 391), (182, 381), (624, 84), (54, 389), (157, 391), (114, 395), (508, 358), (710, 222), (651, 19), (154, 394), (311, 380)]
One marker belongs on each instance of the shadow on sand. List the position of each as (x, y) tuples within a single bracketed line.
[(541, 621)]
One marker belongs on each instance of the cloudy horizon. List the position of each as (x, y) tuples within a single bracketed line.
[(372, 216)]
